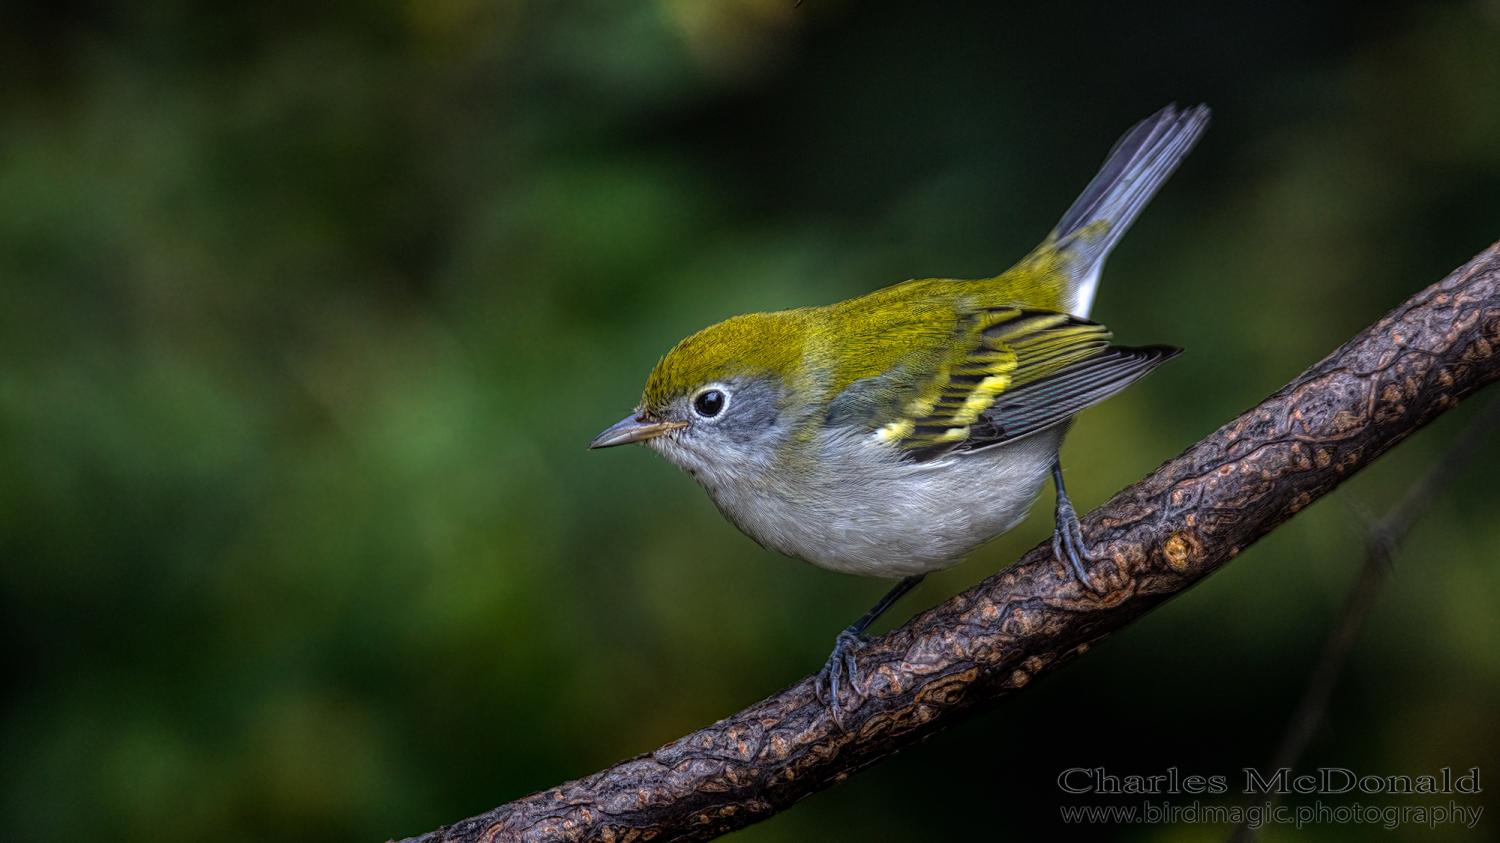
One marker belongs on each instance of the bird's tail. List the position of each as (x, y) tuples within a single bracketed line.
[(1136, 168)]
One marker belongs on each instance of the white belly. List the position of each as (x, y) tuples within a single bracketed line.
[(858, 508)]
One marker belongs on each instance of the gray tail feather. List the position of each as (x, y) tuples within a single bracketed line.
[(1135, 169)]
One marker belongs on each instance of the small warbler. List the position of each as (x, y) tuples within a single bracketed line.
[(891, 434)]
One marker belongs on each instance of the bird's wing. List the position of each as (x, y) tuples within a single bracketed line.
[(1012, 372), (1050, 399)]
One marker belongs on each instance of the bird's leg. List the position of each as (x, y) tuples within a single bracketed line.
[(840, 668), (1067, 538)]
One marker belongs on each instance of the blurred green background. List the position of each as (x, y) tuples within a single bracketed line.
[(308, 310)]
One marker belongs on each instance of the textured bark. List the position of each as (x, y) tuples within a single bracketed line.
[(1161, 536)]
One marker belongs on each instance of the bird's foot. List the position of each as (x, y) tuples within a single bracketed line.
[(1067, 537), (841, 674), (1067, 544)]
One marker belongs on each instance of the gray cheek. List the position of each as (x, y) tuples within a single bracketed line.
[(750, 416), (757, 420), (744, 435)]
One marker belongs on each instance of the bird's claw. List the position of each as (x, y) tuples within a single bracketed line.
[(1067, 544), (839, 671)]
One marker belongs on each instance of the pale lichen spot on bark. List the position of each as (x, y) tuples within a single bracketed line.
[(1345, 423), (892, 685), (823, 751), (1023, 620), (1129, 555), (778, 746), (713, 786), (948, 689)]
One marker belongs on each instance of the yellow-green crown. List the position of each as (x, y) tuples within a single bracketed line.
[(754, 344)]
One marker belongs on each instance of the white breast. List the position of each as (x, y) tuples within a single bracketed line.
[(856, 506)]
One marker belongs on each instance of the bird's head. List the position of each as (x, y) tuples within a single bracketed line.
[(717, 403)]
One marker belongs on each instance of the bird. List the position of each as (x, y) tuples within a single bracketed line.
[(891, 434)]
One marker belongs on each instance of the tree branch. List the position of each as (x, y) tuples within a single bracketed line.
[(1163, 534)]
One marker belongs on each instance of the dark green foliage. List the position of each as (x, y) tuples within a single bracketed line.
[(307, 312)]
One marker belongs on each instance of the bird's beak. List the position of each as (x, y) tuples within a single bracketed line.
[(633, 429)]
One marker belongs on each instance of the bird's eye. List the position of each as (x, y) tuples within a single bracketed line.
[(709, 403)]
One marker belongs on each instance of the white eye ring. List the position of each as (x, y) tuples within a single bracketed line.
[(710, 401)]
